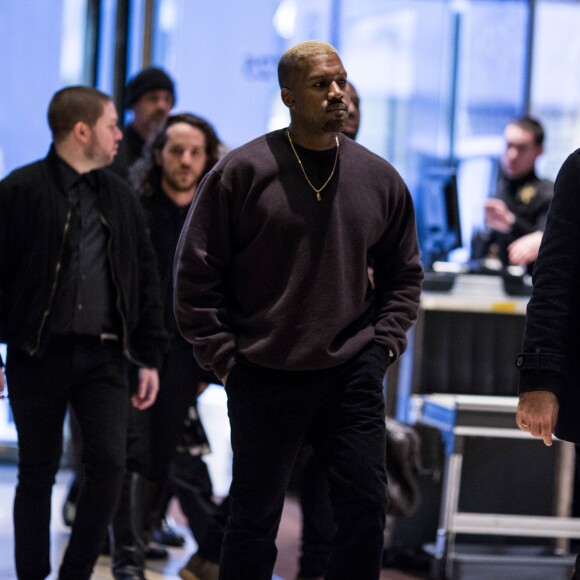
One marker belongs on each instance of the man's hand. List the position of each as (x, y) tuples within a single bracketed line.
[(525, 249), (371, 275), (498, 217), (537, 413), (147, 389)]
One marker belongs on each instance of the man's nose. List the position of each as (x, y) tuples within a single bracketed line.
[(511, 152), (335, 90), (164, 104)]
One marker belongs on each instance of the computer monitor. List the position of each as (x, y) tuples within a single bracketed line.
[(438, 218)]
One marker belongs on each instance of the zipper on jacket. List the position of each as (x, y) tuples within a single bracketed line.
[(57, 270), (125, 329)]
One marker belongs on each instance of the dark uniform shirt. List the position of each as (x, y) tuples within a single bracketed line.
[(528, 198)]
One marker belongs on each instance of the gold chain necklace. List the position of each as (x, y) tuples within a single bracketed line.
[(317, 191)]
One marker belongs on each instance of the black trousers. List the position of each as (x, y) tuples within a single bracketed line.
[(191, 482), (317, 517), (187, 475), (341, 412), (156, 471), (153, 434), (91, 377)]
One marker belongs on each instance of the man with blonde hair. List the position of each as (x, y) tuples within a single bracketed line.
[(271, 288)]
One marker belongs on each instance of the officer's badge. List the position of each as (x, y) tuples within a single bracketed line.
[(527, 193)]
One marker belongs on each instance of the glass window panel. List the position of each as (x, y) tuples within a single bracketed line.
[(397, 55), (35, 61), (438, 80), (492, 58), (135, 40), (223, 58), (106, 65), (491, 52), (555, 80)]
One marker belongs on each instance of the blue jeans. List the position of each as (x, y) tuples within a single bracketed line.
[(91, 377), (341, 412)]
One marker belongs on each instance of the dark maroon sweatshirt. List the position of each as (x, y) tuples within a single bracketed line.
[(266, 273)]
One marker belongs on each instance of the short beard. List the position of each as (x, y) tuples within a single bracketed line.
[(334, 126), (174, 183), (155, 121), (96, 155)]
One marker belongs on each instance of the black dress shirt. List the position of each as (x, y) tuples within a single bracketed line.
[(85, 297)]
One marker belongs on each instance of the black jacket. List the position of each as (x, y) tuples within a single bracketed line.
[(34, 219), (552, 338), (165, 221)]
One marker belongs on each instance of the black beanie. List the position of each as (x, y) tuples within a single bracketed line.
[(149, 79)]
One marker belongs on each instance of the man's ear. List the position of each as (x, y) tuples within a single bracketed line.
[(81, 131), (287, 97)]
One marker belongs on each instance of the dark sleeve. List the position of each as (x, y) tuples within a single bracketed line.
[(556, 285), (200, 278), (397, 274)]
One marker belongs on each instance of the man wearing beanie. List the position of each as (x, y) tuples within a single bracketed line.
[(150, 95)]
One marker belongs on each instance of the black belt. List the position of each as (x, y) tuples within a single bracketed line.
[(104, 337), (108, 337)]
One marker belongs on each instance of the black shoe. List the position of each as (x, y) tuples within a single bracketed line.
[(167, 535), (128, 573), (156, 553)]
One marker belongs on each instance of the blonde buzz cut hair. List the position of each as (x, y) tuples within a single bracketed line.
[(291, 58)]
